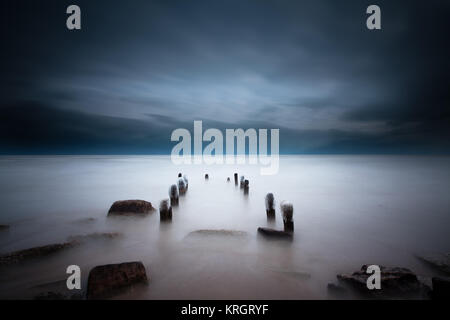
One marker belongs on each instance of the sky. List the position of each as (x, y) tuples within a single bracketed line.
[(137, 70)]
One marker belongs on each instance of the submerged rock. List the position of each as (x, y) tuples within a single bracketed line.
[(275, 234), (107, 280), (395, 283), (94, 236), (36, 252), (440, 262), (125, 207), (219, 232)]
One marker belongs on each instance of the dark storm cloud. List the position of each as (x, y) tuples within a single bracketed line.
[(30, 127), (310, 68)]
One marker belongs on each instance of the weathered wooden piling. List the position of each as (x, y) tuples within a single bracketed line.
[(179, 175), (181, 186), (246, 186), (206, 176), (270, 206), (287, 211), (228, 179), (241, 181), (236, 179), (173, 195), (165, 210), (186, 181)]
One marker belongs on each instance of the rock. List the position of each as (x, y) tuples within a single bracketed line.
[(275, 234), (440, 262), (395, 283), (94, 236), (36, 252), (107, 280), (441, 288), (4, 227), (220, 232), (165, 210), (134, 207)]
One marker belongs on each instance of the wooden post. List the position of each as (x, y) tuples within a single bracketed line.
[(173, 195), (287, 210), (270, 206), (165, 210)]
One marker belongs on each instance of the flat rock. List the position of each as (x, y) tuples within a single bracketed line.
[(95, 236), (35, 252), (275, 234), (130, 207), (438, 261), (218, 232), (395, 283), (107, 280)]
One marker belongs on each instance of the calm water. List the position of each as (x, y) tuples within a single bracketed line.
[(348, 211)]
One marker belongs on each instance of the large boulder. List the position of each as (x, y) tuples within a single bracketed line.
[(395, 283), (107, 280), (133, 207)]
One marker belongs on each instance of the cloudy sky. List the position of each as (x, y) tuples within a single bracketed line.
[(140, 69)]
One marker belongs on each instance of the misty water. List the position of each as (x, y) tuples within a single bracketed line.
[(348, 211)]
